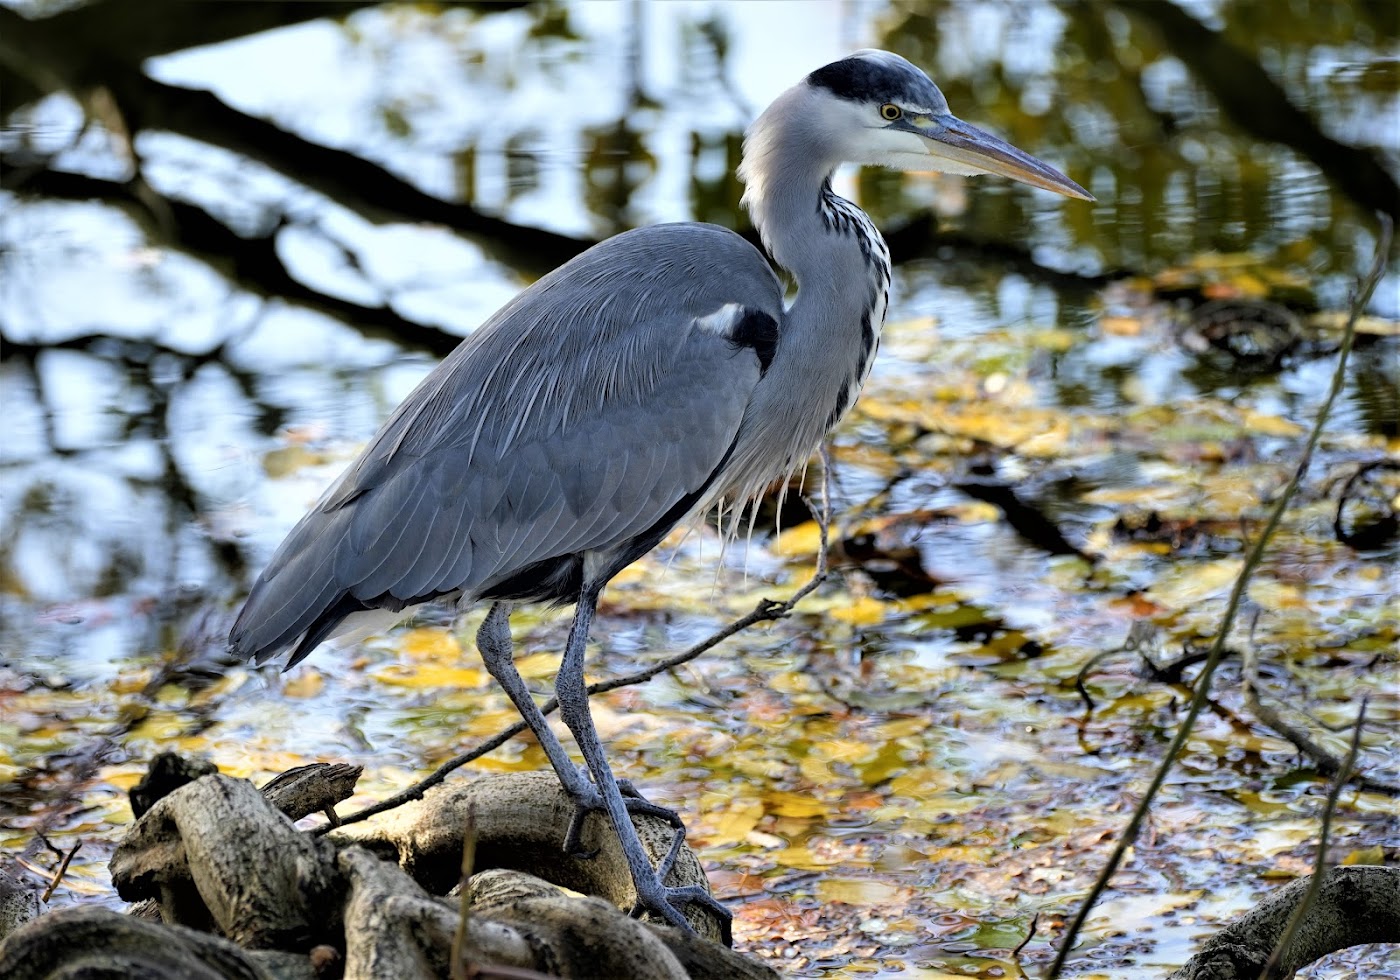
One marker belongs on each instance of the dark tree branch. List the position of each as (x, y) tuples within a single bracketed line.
[(252, 263), (49, 57), (1257, 105), (130, 31)]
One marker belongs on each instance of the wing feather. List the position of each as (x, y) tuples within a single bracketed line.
[(583, 413)]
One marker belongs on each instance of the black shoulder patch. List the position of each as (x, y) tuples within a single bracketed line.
[(757, 330)]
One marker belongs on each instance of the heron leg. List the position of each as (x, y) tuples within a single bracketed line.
[(653, 895), (494, 642)]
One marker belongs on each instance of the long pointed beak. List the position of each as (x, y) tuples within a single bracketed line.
[(963, 148)]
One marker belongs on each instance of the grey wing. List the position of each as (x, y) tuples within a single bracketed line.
[(583, 421)]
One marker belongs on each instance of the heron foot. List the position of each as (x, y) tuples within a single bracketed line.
[(663, 902), (587, 799)]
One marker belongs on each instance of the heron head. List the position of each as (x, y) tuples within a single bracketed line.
[(877, 108)]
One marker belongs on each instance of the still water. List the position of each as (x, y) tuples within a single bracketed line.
[(168, 415)]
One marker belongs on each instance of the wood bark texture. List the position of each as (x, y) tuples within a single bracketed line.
[(241, 892)]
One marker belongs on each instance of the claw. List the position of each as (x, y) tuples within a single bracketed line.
[(663, 903), (587, 799)]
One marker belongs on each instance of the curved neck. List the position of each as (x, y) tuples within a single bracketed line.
[(841, 264), (828, 245)]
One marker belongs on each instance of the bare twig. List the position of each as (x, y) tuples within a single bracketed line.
[(1326, 763), (1141, 635), (58, 875), (1273, 969), (767, 610), (1030, 934), (461, 969), (1217, 649)]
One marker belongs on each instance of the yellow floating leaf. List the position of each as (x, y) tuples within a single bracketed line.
[(1248, 284), (1277, 596), (1051, 339), (865, 611), (1373, 325), (1121, 326), (430, 643), (786, 804), (864, 892), (802, 858), (306, 684), (537, 665), (882, 410), (1270, 425), (900, 728), (974, 512), (286, 461), (1188, 586), (1220, 261), (798, 542), (734, 825), (922, 783), (1374, 854), (430, 675), (1049, 443), (124, 779)]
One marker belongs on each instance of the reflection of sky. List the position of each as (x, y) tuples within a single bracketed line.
[(334, 86), (426, 93)]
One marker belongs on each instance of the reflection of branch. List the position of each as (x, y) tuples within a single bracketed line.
[(1256, 104), (133, 30), (1326, 762), (1359, 299), (346, 178), (767, 610), (252, 263), (76, 61)]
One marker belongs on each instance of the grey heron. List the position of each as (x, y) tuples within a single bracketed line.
[(655, 376)]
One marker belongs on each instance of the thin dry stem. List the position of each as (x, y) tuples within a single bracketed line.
[(461, 969), (1273, 970), (58, 875), (1326, 763), (1232, 607)]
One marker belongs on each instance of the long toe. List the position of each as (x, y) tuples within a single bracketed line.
[(664, 903), (587, 799)]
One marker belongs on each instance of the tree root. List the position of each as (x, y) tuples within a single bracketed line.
[(1354, 905), (241, 892)]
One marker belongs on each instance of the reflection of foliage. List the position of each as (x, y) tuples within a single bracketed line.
[(889, 730), (1129, 98)]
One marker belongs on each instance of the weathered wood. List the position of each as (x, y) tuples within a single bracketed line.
[(167, 773), (218, 855), (1354, 905), (521, 819), (316, 788), (215, 853), (18, 903), (394, 928), (91, 943)]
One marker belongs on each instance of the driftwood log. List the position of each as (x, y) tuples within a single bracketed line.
[(226, 886), (1354, 906), (240, 892)]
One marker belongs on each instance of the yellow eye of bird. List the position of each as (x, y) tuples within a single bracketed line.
[(890, 111)]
